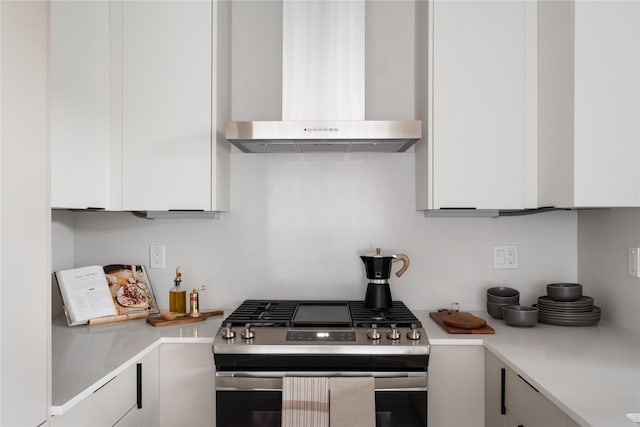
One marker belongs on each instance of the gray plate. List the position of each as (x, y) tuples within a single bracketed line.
[(584, 300), (558, 322), (542, 307), (585, 319), (583, 304), (552, 313)]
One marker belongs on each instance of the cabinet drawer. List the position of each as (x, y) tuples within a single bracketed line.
[(106, 405), (529, 406)]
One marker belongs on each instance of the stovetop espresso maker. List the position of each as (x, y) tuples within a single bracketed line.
[(378, 268)]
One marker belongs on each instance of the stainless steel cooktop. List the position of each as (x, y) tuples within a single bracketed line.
[(287, 327)]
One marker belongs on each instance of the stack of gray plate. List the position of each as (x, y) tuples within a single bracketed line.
[(580, 312)]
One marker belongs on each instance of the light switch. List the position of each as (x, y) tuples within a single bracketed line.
[(634, 262), (505, 257)]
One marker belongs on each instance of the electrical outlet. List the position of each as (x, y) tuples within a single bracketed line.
[(505, 257), (156, 256), (634, 262)]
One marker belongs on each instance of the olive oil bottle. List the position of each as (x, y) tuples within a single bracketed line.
[(178, 295)]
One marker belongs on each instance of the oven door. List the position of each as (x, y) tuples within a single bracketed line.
[(254, 399)]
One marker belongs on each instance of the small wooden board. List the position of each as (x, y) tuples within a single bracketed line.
[(439, 316), (464, 320), (159, 321)]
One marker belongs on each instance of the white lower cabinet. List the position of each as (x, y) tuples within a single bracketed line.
[(171, 386), (494, 410), (130, 399), (130, 419), (187, 387), (512, 421), (530, 408), (106, 406), (149, 411), (456, 386), (510, 401)]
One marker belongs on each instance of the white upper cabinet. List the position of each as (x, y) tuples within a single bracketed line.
[(138, 104), (166, 105), (480, 148), (590, 103), (607, 103), (79, 104)]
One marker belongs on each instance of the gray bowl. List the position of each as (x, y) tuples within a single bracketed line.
[(565, 292), (520, 315), (495, 308), (502, 294)]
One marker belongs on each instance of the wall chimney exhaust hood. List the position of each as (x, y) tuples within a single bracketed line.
[(323, 88)]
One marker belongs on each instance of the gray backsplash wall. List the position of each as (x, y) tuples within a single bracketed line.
[(298, 224), (604, 236)]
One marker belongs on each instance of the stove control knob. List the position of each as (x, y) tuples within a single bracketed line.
[(393, 333), (413, 334), (248, 333), (228, 333), (373, 333)]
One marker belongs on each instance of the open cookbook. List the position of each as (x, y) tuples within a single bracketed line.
[(113, 292)]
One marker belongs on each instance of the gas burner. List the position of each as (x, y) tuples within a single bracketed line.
[(285, 313)]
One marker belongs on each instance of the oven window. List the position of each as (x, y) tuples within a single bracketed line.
[(262, 408), (401, 408), (248, 408)]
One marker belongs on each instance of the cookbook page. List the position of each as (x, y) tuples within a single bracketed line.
[(130, 288), (85, 294)]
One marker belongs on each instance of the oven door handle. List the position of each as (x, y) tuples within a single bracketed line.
[(272, 381)]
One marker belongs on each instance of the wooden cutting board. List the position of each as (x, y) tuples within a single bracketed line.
[(439, 316), (464, 320), (159, 321)]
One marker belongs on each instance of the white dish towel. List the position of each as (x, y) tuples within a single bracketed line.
[(328, 402), (352, 402), (305, 402)]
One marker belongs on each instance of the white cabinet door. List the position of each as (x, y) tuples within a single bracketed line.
[(25, 214), (149, 414), (590, 103), (106, 406), (131, 419), (187, 387), (483, 105), (512, 421), (607, 103), (167, 105), (494, 370), (79, 104), (456, 380), (530, 407)]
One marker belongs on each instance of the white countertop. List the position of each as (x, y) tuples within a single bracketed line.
[(87, 357), (591, 373)]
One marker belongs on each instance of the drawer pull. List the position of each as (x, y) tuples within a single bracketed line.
[(139, 385), (503, 376)]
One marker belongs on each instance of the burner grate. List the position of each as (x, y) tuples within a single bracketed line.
[(262, 313), (397, 314), (280, 313)]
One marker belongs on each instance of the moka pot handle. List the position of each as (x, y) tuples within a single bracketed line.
[(405, 263)]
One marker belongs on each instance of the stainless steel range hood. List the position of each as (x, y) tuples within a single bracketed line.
[(323, 88), (325, 136)]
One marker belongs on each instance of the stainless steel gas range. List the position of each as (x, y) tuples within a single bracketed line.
[(262, 342)]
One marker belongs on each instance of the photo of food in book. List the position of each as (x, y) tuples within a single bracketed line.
[(130, 288)]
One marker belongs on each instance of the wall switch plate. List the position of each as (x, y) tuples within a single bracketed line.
[(156, 256), (634, 262), (505, 257)]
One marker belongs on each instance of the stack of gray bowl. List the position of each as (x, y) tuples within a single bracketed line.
[(501, 296), (564, 305)]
